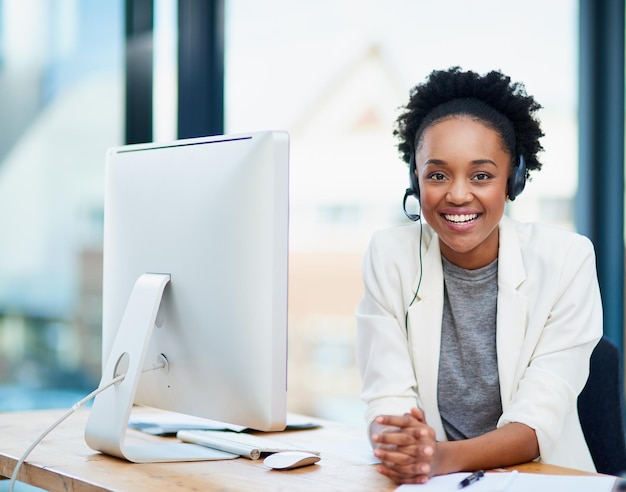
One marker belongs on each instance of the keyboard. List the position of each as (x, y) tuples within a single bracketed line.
[(250, 446)]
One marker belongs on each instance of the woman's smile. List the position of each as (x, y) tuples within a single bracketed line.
[(460, 218)]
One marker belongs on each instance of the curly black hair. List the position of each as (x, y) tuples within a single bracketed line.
[(491, 98)]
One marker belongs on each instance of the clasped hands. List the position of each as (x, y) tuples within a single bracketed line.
[(406, 447)]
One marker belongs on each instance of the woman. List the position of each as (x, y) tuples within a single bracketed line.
[(474, 331)]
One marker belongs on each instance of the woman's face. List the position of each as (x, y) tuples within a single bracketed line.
[(462, 170)]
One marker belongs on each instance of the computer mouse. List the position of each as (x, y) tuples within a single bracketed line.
[(287, 460)]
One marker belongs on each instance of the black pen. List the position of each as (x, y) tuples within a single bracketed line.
[(474, 477)]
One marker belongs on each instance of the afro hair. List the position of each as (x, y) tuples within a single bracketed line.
[(491, 98)]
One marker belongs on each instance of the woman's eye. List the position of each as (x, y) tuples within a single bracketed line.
[(436, 177), (482, 177)]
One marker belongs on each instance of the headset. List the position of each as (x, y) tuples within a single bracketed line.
[(515, 184)]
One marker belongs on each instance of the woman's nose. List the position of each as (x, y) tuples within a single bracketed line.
[(459, 192)]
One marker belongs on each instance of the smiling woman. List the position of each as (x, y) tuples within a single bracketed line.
[(475, 330)]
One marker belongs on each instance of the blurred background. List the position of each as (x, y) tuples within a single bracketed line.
[(333, 73)]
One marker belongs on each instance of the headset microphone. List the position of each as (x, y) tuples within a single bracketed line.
[(409, 192), (413, 190)]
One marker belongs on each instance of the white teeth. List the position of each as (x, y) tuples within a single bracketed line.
[(459, 219)]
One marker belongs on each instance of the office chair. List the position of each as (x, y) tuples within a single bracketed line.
[(600, 408)]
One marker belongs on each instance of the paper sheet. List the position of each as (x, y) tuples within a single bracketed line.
[(516, 482)]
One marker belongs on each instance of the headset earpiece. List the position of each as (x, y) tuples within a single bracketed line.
[(517, 179), (415, 186), (413, 190)]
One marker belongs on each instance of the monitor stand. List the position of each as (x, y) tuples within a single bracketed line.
[(108, 419)]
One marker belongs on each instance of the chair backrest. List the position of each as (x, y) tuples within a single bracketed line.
[(601, 410)]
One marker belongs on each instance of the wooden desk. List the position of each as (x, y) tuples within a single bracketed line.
[(63, 462)]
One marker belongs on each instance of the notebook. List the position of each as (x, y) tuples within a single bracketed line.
[(516, 482)]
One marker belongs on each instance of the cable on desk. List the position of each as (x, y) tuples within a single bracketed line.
[(69, 412)]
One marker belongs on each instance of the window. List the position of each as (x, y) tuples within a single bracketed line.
[(61, 79)]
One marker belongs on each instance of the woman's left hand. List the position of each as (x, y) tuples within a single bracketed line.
[(408, 454)]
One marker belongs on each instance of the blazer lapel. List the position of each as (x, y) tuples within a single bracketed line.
[(424, 328), (512, 308)]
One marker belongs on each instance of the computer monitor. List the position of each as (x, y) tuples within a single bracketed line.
[(195, 279)]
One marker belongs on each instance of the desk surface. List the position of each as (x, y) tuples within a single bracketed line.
[(62, 461)]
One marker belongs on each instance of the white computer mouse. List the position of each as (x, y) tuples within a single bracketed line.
[(286, 460)]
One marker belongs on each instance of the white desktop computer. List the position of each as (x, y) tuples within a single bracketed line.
[(195, 285)]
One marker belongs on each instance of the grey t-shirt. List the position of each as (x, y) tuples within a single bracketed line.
[(468, 388)]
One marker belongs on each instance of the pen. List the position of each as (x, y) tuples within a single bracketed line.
[(474, 477)]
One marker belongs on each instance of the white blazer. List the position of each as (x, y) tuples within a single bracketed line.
[(549, 319)]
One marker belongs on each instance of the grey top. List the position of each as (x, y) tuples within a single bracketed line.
[(468, 389)]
